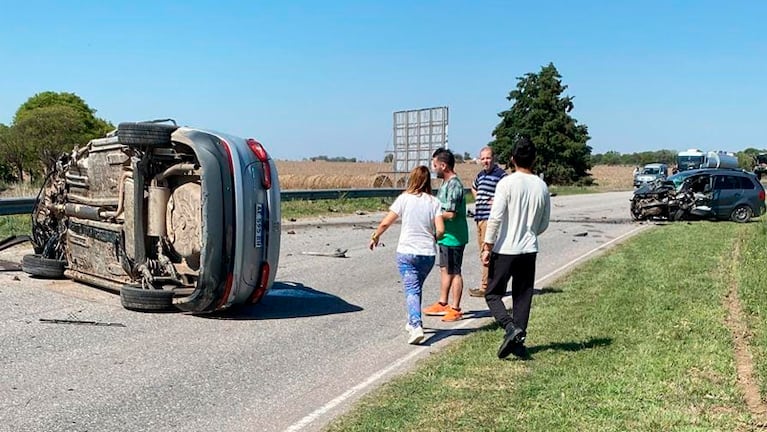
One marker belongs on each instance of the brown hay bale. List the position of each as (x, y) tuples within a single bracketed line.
[(382, 181)]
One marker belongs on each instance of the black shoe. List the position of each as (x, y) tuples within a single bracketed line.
[(514, 339)]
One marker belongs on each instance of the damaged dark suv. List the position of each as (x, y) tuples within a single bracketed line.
[(166, 215), (707, 193)]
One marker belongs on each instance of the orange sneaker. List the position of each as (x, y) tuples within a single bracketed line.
[(452, 314), (437, 309)]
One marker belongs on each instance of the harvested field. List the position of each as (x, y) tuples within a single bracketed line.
[(332, 175)]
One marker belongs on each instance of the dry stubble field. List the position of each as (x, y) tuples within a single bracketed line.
[(332, 175)]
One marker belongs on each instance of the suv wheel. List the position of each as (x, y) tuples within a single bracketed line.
[(741, 214), (145, 134), (36, 265), (136, 298)]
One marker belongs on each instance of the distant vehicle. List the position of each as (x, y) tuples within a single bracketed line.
[(651, 172), (720, 159), (760, 165), (706, 193), (166, 215), (690, 159)]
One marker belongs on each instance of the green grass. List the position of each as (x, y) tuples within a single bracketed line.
[(573, 190), (751, 274), (338, 207), (633, 340), (15, 225)]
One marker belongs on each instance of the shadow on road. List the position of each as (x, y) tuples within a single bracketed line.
[(289, 300)]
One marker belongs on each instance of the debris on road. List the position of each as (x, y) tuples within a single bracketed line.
[(82, 322), (338, 253), (581, 234)]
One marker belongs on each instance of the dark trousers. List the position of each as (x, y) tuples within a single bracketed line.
[(521, 270)]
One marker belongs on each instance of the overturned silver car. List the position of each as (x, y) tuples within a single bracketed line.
[(706, 193), (166, 215)]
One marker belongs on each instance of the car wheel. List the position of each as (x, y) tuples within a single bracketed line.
[(36, 265), (145, 134), (741, 214), (134, 297)]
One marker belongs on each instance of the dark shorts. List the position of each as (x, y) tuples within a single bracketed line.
[(451, 257)]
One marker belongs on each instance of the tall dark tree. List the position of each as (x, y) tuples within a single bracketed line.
[(540, 112)]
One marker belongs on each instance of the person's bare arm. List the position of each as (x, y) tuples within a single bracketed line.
[(439, 225), (386, 222)]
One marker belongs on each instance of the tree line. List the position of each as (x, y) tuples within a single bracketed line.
[(746, 158), (45, 126)]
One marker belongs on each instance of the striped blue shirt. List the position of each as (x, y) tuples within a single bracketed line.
[(485, 184)]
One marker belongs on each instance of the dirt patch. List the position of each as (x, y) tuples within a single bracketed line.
[(744, 361)]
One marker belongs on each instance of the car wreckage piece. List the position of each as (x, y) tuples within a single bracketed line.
[(166, 215), (660, 200)]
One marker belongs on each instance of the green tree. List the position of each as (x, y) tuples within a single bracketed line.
[(540, 112), (12, 158), (747, 158), (93, 126), (47, 132), (389, 158)]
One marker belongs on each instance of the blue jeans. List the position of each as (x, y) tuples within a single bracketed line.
[(414, 269)]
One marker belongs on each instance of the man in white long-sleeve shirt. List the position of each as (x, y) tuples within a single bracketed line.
[(520, 212)]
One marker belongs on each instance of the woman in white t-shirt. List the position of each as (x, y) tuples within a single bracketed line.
[(422, 226)]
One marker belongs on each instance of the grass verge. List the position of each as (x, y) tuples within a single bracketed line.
[(338, 207), (633, 340), (15, 225), (751, 274)]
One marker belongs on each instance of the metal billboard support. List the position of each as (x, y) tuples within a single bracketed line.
[(417, 134)]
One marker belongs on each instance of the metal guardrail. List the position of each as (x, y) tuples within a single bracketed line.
[(11, 206)]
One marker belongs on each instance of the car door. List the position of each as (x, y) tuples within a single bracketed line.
[(726, 194)]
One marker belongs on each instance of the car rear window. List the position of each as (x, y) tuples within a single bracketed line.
[(746, 183), (727, 182)]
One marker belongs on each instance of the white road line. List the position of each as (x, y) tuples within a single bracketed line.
[(295, 427), (349, 393)]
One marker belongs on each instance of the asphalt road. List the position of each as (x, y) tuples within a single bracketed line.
[(330, 330)]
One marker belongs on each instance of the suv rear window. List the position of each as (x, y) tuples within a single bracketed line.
[(746, 183), (727, 182)]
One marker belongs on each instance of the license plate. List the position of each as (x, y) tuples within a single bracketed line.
[(259, 225)]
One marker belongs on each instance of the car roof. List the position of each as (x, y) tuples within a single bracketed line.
[(716, 170)]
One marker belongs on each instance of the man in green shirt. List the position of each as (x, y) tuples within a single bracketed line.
[(452, 244)]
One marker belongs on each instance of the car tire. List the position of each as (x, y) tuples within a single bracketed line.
[(741, 214), (145, 134), (134, 297), (37, 266)]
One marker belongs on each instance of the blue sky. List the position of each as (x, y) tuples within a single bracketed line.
[(314, 78)]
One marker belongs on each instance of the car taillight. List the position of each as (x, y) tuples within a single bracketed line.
[(761, 195), (263, 282), (263, 157)]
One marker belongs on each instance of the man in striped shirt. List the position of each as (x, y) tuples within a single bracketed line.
[(483, 190)]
